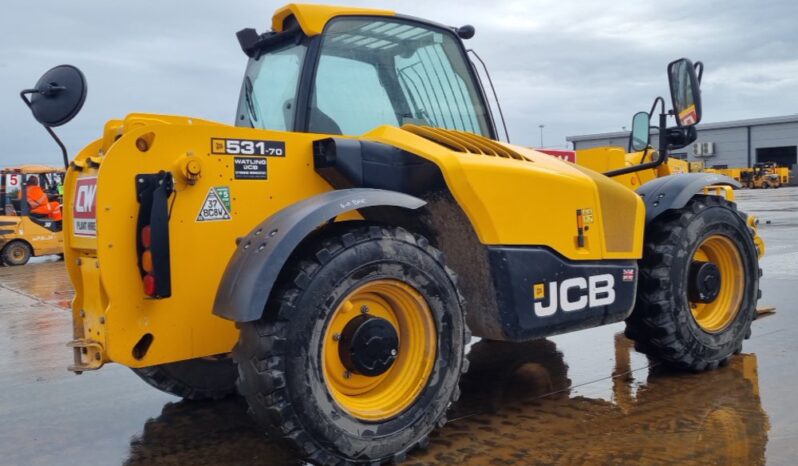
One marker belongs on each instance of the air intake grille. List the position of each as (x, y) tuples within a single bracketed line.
[(461, 141)]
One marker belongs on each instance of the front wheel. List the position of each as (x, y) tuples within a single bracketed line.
[(16, 253), (360, 350), (698, 287)]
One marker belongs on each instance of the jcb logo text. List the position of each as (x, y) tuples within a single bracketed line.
[(574, 294)]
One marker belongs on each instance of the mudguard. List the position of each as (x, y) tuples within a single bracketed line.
[(261, 255), (674, 191)]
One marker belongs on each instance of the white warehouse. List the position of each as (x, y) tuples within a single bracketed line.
[(739, 143)]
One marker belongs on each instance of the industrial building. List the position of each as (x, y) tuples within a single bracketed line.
[(739, 143)]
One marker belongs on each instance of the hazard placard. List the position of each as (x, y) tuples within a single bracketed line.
[(216, 205)]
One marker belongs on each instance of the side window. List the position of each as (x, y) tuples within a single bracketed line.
[(268, 95), (348, 98)]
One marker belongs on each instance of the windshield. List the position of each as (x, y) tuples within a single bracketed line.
[(384, 71), (268, 94), (370, 72)]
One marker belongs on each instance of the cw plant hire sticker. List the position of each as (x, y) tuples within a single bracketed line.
[(216, 205)]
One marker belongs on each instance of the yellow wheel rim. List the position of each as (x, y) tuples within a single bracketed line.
[(717, 315), (386, 395)]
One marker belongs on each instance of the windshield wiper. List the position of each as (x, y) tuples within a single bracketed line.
[(248, 97)]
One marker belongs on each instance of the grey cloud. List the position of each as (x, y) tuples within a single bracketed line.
[(576, 67)]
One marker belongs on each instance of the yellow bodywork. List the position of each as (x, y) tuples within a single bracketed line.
[(22, 228), (784, 174), (33, 169), (604, 159), (533, 201), (527, 198), (313, 18)]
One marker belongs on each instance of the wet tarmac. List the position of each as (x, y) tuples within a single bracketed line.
[(581, 398)]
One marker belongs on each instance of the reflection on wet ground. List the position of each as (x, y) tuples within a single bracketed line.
[(44, 280), (518, 409), (582, 398)]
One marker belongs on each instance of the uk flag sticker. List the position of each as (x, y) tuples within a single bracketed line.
[(628, 275)]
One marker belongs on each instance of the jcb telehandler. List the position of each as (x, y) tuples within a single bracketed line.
[(361, 219)]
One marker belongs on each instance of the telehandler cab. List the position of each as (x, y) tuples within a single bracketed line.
[(335, 249)]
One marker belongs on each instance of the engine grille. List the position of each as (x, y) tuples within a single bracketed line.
[(461, 141)]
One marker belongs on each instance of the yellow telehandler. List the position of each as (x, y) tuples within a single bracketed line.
[(330, 255)]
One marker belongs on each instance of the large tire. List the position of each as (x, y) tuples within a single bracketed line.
[(16, 253), (194, 379), (287, 360), (672, 320)]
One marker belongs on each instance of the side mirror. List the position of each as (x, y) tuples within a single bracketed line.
[(685, 92), (641, 132), (58, 96)]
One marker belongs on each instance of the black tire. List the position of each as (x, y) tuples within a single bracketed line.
[(16, 253), (662, 324), (280, 356), (194, 379)]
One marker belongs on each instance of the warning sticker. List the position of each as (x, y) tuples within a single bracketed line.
[(216, 205), (250, 168), (84, 210)]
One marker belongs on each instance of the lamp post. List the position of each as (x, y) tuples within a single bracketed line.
[(541, 134)]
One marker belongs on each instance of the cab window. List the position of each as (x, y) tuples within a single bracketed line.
[(374, 72), (269, 90)]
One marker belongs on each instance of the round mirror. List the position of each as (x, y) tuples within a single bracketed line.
[(58, 96)]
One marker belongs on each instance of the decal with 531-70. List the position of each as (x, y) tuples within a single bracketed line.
[(262, 147)]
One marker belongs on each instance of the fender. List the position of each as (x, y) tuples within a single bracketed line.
[(674, 191), (260, 256)]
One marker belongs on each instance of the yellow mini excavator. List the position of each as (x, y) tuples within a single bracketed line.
[(330, 255)]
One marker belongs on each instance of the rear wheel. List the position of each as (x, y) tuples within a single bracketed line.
[(360, 350), (210, 378), (16, 253), (698, 286)]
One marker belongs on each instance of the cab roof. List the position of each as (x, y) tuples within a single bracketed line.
[(32, 169), (313, 18)]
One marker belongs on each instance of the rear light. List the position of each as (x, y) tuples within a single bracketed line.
[(149, 285), (152, 233), (146, 261), (146, 237)]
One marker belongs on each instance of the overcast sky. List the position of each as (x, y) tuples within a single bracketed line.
[(574, 66)]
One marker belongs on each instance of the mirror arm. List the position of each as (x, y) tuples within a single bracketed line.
[(662, 157), (699, 67), (24, 97), (659, 100)]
